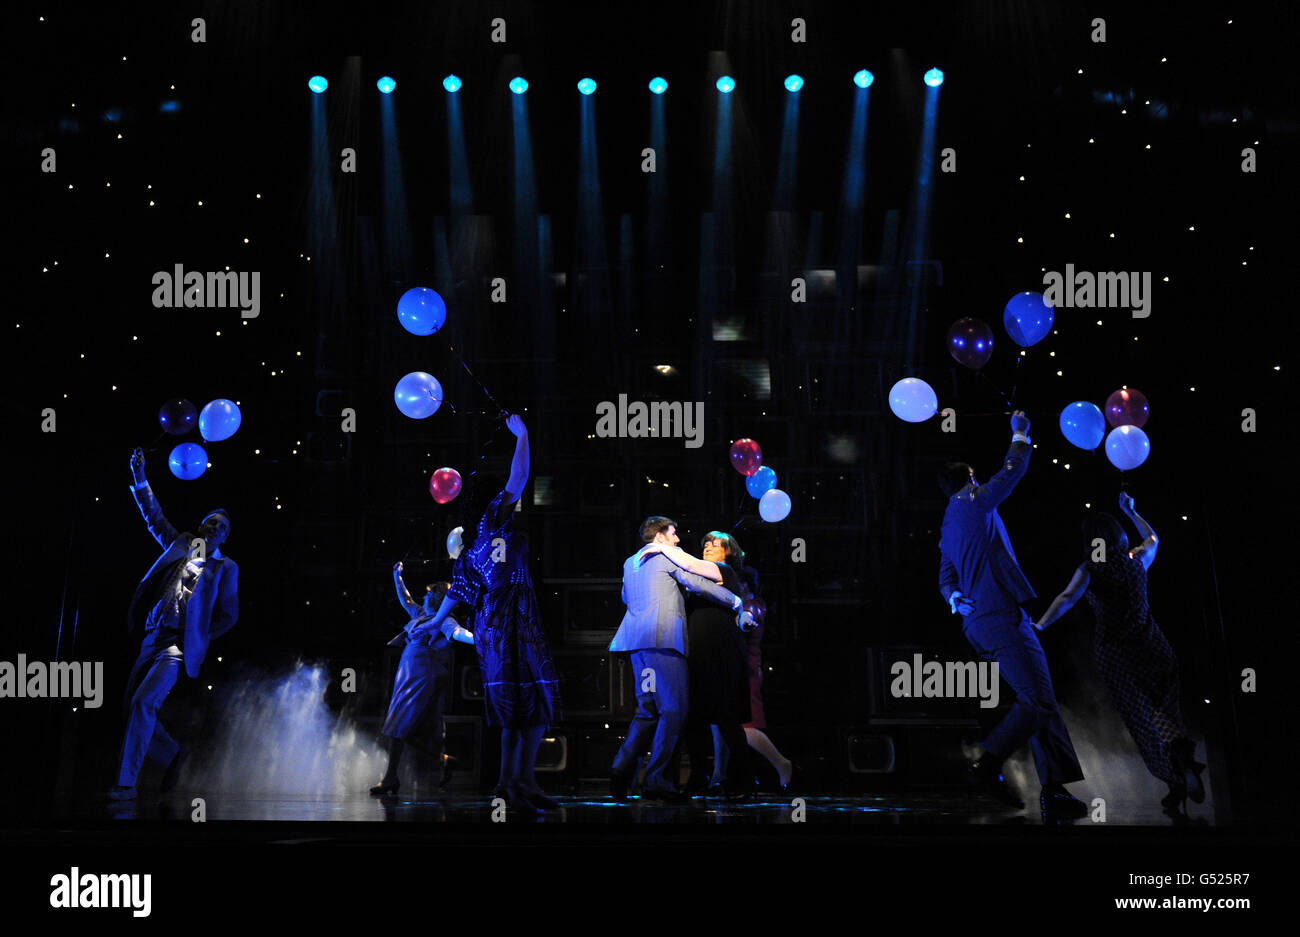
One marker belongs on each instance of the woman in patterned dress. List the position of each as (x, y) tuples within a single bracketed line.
[(519, 679), (1132, 653)]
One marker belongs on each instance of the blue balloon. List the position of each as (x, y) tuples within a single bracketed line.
[(762, 480), (1127, 447), (774, 505), (188, 461), (1083, 424), (418, 395), (421, 311), (219, 420), (1028, 318), (913, 400), (177, 416)]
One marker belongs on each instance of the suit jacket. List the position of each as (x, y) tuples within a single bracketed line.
[(656, 609), (213, 606), (975, 551)]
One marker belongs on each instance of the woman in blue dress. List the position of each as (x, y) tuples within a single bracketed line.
[(519, 679)]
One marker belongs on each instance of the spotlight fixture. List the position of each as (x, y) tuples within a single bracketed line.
[(451, 83), (317, 83), (518, 85), (385, 85), (658, 85), (863, 78), (726, 84), (793, 83), (934, 78)]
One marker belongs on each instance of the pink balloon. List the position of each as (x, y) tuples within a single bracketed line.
[(1127, 407), (444, 485), (746, 456)]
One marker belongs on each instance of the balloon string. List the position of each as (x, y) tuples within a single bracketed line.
[(153, 446), (1001, 393), (501, 410)]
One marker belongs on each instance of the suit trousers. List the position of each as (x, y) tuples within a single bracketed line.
[(152, 678), (1006, 636), (661, 713)]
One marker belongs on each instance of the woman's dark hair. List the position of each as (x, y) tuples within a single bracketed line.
[(1098, 525), (953, 477), (439, 590), (482, 487), (730, 546)]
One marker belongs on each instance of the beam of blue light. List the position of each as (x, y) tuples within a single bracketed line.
[(317, 83), (658, 85), (934, 78), (863, 78), (518, 85), (170, 107), (385, 85), (587, 85), (793, 83), (726, 84), (451, 83)]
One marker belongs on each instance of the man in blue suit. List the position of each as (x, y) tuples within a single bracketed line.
[(980, 579), (192, 596), (654, 630)]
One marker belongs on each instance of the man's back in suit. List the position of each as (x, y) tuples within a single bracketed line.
[(656, 609)]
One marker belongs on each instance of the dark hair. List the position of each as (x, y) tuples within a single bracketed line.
[(953, 477), (1098, 525), (730, 546), (482, 487), (439, 590), (654, 524), (224, 513)]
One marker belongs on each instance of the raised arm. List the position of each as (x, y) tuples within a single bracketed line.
[(1074, 591), (683, 559), (1013, 468), (160, 528), (1146, 550), (403, 595), (519, 466)]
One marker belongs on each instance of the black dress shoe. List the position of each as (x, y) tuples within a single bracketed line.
[(986, 779), (538, 798), (385, 789), (173, 772), (618, 784), (518, 802), (1059, 804)]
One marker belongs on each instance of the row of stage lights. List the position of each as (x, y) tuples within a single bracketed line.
[(726, 84)]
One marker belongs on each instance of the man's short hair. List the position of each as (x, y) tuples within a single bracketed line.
[(654, 524), (224, 513), (953, 477)]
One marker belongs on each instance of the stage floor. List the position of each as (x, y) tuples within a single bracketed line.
[(943, 808)]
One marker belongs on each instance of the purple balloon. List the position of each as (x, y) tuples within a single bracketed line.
[(970, 341)]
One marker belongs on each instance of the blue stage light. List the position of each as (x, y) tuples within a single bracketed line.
[(863, 78), (658, 85), (451, 83), (518, 85), (385, 85), (934, 78), (726, 84), (317, 83), (793, 83), (587, 86)]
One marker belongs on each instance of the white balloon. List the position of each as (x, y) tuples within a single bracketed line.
[(774, 505), (913, 400), (455, 543)]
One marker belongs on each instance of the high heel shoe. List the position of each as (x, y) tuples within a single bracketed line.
[(538, 798), (517, 800), (796, 782)]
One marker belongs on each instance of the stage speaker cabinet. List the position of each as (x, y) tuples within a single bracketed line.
[(586, 681), (469, 684), (904, 685), (553, 753), (590, 610), (870, 752)]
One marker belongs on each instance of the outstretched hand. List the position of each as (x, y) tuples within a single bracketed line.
[(1019, 422), (515, 423), (1125, 502), (137, 464)]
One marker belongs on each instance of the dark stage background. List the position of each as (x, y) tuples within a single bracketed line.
[(319, 516)]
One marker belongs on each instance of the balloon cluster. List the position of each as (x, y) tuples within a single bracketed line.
[(418, 395), (217, 421), (760, 480)]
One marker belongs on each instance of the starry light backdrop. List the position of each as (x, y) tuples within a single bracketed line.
[(1122, 156)]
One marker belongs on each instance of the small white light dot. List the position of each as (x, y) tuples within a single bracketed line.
[(200, 201), (1020, 240), (1067, 214), (1059, 374), (245, 240)]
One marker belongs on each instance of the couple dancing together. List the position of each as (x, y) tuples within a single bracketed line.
[(672, 697)]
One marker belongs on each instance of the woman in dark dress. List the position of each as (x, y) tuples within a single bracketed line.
[(1132, 653), (717, 661), (758, 739), (519, 678)]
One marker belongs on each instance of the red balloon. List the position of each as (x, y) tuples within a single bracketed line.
[(1127, 407), (444, 485), (970, 342), (746, 456)]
